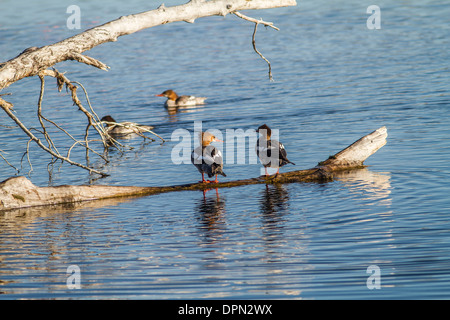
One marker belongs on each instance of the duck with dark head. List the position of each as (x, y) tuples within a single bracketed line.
[(270, 152)]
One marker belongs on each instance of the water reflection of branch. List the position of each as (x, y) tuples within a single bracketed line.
[(22, 218), (374, 185)]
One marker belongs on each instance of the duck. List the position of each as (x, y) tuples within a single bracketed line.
[(123, 128), (174, 100), (207, 158), (264, 148)]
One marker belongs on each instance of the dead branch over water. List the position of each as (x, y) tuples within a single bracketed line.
[(19, 192), (33, 60)]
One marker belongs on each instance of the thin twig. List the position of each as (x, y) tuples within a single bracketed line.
[(6, 160), (28, 157), (267, 24), (97, 122), (88, 101), (62, 79), (260, 54), (47, 137), (42, 146), (76, 141), (257, 22), (40, 117)]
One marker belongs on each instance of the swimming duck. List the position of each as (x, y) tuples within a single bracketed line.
[(207, 158), (174, 100), (265, 146), (123, 128)]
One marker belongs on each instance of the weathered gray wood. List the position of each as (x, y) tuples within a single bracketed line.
[(360, 150), (19, 192)]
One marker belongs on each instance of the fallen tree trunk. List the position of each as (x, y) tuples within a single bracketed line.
[(19, 192)]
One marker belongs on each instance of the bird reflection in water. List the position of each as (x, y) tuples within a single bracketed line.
[(173, 113), (211, 209), (274, 205)]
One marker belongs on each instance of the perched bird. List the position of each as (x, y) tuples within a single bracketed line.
[(123, 128), (174, 100), (271, 152), (207, 158)]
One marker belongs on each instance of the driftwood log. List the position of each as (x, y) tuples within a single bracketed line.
[(19, 192)]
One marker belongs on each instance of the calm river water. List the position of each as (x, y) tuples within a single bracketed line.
[(335, 80)]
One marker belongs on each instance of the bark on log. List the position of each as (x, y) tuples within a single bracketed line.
[(33, 60), (19, 192)]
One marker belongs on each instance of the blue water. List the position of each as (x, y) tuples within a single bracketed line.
[(335, 81)]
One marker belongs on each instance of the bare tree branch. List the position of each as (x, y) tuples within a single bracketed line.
[(42, 146), (33, 60), (6, 160)]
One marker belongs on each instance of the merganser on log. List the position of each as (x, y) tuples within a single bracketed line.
[(271, 152), (207, 158), (19, 192)]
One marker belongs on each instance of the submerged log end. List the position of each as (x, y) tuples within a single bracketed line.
[(15, 191), (354, 155)]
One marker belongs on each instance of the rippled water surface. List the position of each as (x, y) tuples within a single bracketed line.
[(335, 81)]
